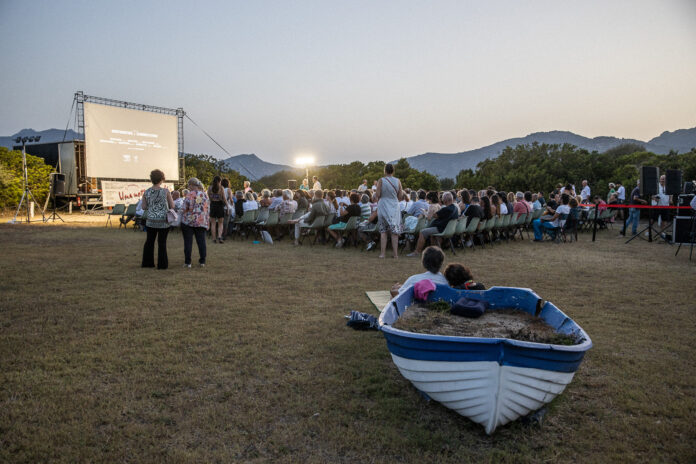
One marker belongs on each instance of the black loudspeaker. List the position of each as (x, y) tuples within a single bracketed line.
[(688, 187), (673, 182), (685, 200), (682, 230), (649, 175), (292, 184), (58, 184)]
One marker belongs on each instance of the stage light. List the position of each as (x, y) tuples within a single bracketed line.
[(304, 161)]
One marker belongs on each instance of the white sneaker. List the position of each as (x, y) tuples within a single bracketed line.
[(188, 266), (201, 265), (469, 243)]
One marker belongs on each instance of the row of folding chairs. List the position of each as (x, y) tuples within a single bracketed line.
[(122, 212), (462, 230)]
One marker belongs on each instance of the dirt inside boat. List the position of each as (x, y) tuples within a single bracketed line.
[(499, 323)]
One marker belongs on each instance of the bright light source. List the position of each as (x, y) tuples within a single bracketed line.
[(303, 161)]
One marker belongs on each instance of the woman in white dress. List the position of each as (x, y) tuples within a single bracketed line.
[(388, 193)]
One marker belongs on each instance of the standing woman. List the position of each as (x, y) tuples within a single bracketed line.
[(388, 193), (157, 201), (216, 193), (194, 220), (229, 206)]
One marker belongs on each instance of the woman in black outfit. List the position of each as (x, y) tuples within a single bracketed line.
[(216, 193), (157, 201)]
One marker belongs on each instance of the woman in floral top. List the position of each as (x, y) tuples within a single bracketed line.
[(195, 220)]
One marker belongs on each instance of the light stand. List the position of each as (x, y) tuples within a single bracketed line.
[(27, 191), (52, 195)]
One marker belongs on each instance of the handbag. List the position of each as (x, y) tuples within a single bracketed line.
[(172, 217)]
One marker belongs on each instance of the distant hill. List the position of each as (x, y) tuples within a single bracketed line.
[(47, 136), (449, 164), (253, 167)]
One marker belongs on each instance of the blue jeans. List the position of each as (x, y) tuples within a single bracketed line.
[(633, 219), (539, 228)]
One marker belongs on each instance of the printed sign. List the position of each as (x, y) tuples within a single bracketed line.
[(114, 192)]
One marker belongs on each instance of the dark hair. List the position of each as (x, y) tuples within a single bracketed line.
[(432, 197), (421, 194), (215, 186), (466, 198), (332, 198), (339, 193), (565, 198), (573, 203), (490, 192), (486, 205), (528, 195), (389, 168), (156, 176), (354, 198), (432, 259), (495, 199), (225, 182), (457, 275)]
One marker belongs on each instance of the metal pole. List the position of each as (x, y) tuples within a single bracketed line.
[(594, 228)]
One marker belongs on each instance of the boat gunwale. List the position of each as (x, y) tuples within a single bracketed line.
[(584, 346)]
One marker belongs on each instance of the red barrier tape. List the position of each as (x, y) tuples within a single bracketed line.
[(641, 206)]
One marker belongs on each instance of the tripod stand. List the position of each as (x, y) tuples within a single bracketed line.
[(54, 214), (27, 191), (692, 237)]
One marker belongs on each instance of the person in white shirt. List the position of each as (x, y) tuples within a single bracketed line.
[(664, 216), (432, 259), (554, 222), (374, 186), (363, 186), (317, 184), (621, 196), (250, 203), (585, 193)]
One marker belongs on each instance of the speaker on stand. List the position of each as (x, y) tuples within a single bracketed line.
[(649, 177), (57, 182), (673, 182)]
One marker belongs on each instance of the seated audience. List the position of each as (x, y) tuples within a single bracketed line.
[(553, 222), (419, 207), (365, 209), (352, 210), (318, 209), (442, 217)]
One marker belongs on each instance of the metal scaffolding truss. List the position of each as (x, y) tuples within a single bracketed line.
[(81, 98)]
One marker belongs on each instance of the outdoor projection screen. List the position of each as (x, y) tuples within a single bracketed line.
[(122, 143)]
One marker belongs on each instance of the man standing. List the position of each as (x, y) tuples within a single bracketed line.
[(317, 185), (585, 193), (363, 186), (634, 213), (663, 200), (621, 197)]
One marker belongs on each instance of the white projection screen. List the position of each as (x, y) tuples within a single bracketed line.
[(122, 143)]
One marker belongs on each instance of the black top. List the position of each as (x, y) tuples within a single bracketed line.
[(352, 210), (444, 216), (239, 208), (635, 193), (552, 204), (474, 211)]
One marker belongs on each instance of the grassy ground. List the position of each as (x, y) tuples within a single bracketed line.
[(249, 359)]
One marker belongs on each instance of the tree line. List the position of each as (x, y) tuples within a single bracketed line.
[(540, 167)]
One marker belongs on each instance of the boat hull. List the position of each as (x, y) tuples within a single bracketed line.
[(492, 381)]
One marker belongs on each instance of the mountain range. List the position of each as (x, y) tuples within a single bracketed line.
[(440, 164), (449, 164)]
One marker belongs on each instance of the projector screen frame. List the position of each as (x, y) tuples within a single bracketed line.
[(88, 183)]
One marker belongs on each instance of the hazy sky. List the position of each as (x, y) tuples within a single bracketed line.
[(347, 80)]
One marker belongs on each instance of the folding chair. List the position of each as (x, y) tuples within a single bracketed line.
[(130, 212), (448, 233), (117, 210), (346, 228), (315, 226), (470, 230)]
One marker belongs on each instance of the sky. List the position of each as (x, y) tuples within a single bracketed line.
[(357, 80)]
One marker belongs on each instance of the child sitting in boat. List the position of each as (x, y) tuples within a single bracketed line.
[(460, 277), (432, 259)]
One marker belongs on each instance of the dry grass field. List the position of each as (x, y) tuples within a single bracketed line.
[(249, 359)]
